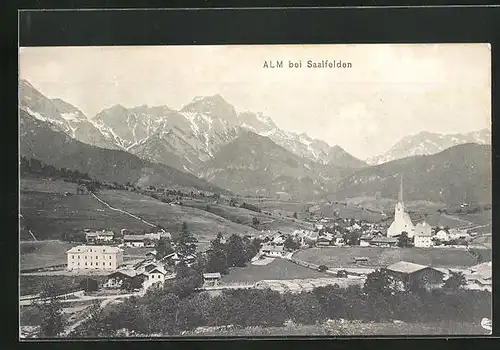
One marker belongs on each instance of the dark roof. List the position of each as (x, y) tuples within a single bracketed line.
[(384, 240), (137, 238), (408, 267)]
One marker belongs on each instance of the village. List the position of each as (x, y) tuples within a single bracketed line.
[(102, 254)]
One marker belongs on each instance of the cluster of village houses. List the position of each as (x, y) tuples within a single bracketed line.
[(127, 240), (151, 270)]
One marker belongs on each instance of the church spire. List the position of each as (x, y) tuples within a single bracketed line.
[(401, 190)]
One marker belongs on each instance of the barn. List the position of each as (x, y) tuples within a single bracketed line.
[(410, 273)]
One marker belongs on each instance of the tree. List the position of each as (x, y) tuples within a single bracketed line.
[(217, 256), (51, 310), (89, 285), (291, 244), (380, 282), (255, 221), (403, 240), (163, 248), (185, 242), (455, 282), (235, 251), (322, 268)]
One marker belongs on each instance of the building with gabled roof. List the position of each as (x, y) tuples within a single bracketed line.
[(402, 222), (410, 273), (85, 257)]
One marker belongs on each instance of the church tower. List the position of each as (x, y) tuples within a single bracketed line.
[(402, 221), (400, 206)]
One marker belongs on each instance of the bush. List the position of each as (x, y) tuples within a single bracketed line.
[(322, 268)]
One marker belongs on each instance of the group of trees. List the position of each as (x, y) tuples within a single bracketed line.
[(29, 166), (183, 243), (171, 310), (236, 252), (250, 207)]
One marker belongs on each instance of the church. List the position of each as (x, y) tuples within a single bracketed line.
[(402, 221)]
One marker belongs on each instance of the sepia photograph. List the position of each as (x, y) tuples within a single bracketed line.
[(255, 191)]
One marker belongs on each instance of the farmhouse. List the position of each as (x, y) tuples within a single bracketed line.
[(443, 235), (120, 278), (402, 222), (384, 241), (151, 255), (153, 275), (158, 235), (364, 241), (273, 251), (423, 235), (176, 258), (134, 240), (409, 273), (339, 240), (94, 258), (479, 277), (211, 279), (99, 236)]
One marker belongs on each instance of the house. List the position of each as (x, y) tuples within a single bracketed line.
[(94, 258), (443, 235), (310, 237), (323, 244), (279, 239), (423, 241), (120, 278), (384, 241), (480, 277), (409, 273), (423, 235), (211, 279), (176, 258), (99, 236), (273, 251), (134, 240), (153, 275), (364, 240), (338, 240), (156, 236), (151, 255), (459, 234)]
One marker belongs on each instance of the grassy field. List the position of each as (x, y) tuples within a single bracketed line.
[(202, 224), (34, 284), (279, 269), (335, 257), (43, 253), (352, 329), (46, 253), (245, 216), (50, 214)]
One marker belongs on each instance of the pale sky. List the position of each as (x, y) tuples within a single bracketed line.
[(391, 91)]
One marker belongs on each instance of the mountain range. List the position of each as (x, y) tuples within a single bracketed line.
[(45, 141), (459, 174), (208, 145), (426, 143), (183, 139)]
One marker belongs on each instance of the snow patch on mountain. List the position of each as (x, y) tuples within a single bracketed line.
[(36, 114)]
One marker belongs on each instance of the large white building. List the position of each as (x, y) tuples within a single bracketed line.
[(94, 258), (402, 221)]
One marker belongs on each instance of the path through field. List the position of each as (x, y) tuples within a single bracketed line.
[(123, 211)]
